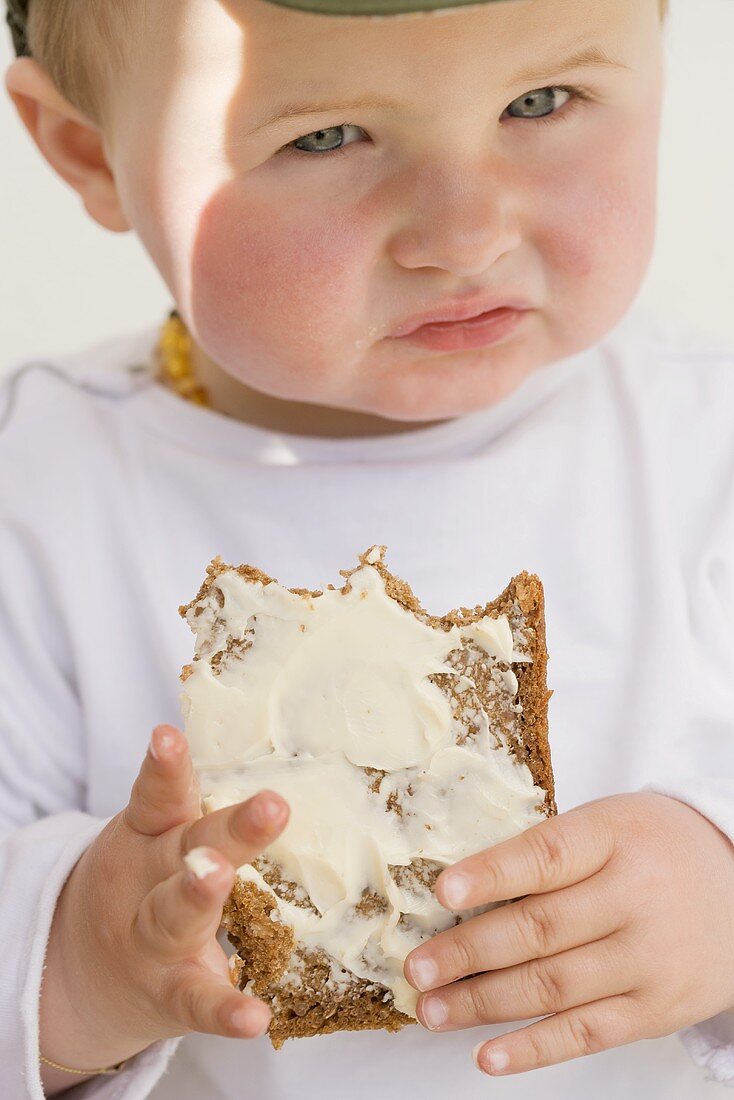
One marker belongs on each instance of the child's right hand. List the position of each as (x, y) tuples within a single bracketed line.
[(132, 955)]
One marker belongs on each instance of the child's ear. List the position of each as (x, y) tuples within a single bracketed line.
[(70, 142)]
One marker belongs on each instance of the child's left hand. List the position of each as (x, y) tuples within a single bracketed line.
[(627, 933)]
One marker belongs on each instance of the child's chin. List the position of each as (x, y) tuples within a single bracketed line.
[(436, 407), (445, 391)]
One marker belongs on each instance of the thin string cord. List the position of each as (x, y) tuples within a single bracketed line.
[(17, 19), (140, 370)]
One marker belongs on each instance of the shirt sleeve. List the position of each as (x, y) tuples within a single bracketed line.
[(43, 826), (703, 776)]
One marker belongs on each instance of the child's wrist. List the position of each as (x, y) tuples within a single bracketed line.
[(80, 1024)]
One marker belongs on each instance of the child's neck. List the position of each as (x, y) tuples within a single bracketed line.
[(239, 401)]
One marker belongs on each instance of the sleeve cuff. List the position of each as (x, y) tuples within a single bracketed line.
[(711, 1046), (134, 1082)]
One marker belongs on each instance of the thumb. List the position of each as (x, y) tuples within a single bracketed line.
[(166, 791)]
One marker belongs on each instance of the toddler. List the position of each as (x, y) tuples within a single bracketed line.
[(404, 247)]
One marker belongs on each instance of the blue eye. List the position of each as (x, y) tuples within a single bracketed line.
[(325, 141), (540, 103)]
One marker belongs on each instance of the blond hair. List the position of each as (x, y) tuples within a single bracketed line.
[(81, 42)]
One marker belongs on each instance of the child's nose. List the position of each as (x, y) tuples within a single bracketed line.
[(460, 221)]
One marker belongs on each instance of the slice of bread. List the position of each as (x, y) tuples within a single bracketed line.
[(402, 741)]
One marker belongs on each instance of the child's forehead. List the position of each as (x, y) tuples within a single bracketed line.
[(493, 44), (496, 31), (251, 65), (384, 17)]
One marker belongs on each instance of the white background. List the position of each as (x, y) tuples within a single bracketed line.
[(66, 283)]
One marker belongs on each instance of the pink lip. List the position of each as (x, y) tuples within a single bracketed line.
[(461, 309), (475, 332)]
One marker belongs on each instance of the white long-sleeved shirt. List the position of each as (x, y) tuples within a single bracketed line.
[(610, 474)]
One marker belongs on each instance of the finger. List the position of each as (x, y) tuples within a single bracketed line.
[(240, 832), (201, 1001), (533, 928), (558, 852), (166, 791), (580, 1031), (537, 988), (182, 913)]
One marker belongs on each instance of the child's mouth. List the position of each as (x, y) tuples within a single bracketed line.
[(475, 332)]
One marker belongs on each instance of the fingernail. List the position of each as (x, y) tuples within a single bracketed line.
[(456, 889), (199, 863), (434, 1012), (268, 810), (498, 1060), (165, 743), (494, 1061), (242, 1020), (424, 973)]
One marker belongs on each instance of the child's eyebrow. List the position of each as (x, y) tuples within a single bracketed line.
[(591, 57), (594, 57)]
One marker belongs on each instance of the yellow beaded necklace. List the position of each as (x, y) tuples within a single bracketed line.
[(173, 356)]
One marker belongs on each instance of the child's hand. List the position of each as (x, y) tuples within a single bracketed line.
[(133, 955), (627, 933)]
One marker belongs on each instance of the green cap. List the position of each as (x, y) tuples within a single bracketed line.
[(373, 7), (18, 11)]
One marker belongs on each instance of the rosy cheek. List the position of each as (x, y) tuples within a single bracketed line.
[(596, 231), (268, 288), (588, 222)]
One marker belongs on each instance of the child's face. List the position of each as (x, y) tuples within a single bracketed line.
[(294, 269)]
